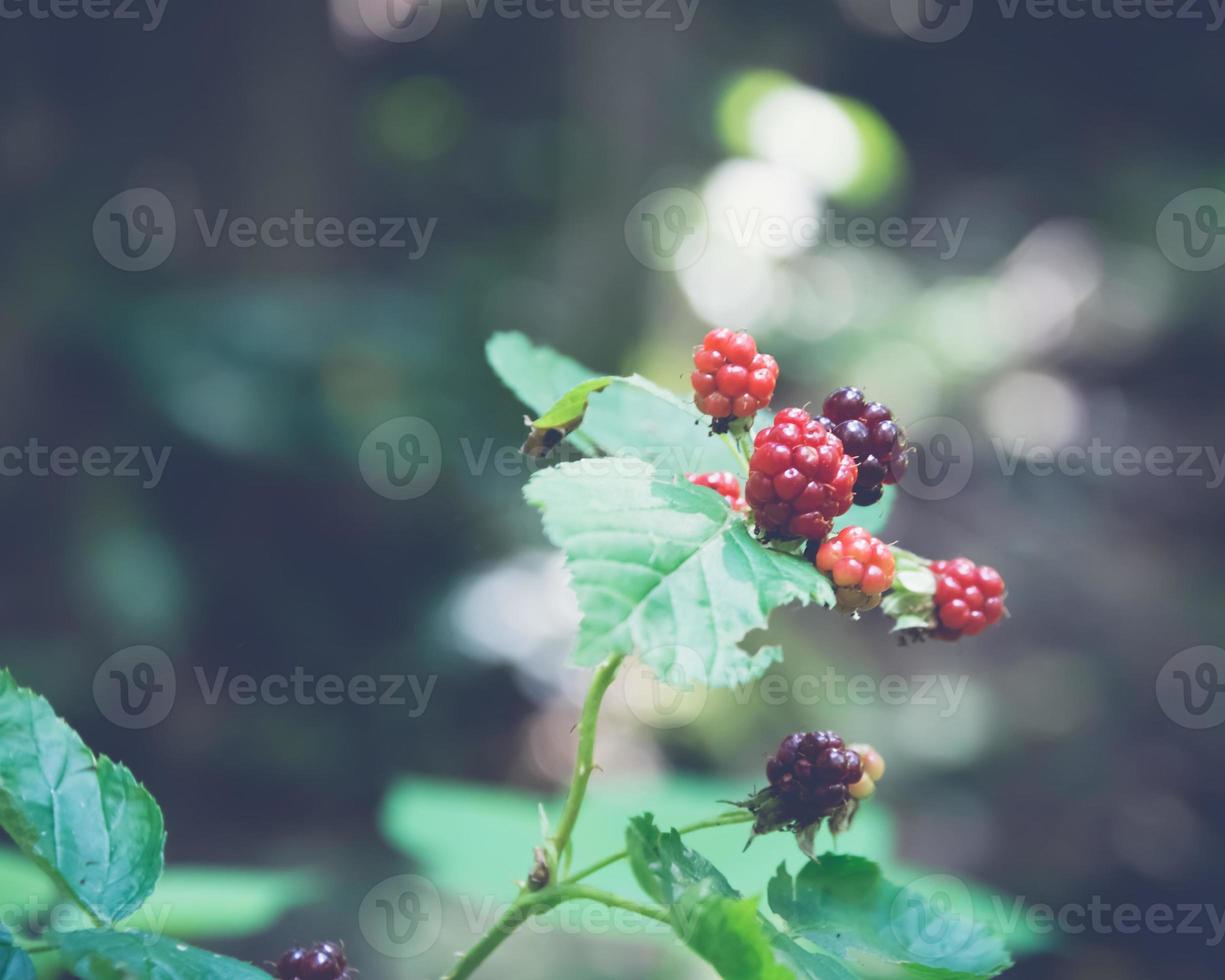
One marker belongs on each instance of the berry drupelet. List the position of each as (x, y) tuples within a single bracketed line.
[(731, 380), (799, 477), (869, 434), (968, 598), (723, 483), (322, 961)]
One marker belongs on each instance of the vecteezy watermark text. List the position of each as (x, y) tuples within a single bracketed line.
[(137, 688), (1098, 459), (402, 21), (148, 12), (124, 462), (137, 230), (933, 21), (670, 229)]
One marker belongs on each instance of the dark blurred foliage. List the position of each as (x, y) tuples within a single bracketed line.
[(262, 549)]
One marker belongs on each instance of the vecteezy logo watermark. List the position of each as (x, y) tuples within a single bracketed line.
[(135, 688), (676, 695), (401, 21), (123, 462), (667, 230), (670, 229), (1191, 230), (401, 917), (932, 21), (1191, 687), (148, 12), (1099, 459), (671, 697), (933, 917), (401, 459), (136, 231), (940, 458)]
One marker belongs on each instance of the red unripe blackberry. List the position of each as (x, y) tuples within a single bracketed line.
[(809, 777), (723, 483), (731, 380), (799, 477), (968, 598), (869, 434), (858, 563)]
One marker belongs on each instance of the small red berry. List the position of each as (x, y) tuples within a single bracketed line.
[(732, 380), (968, 598), (725, 484), (868, 433)]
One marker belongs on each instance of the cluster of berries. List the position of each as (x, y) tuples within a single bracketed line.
[(799, 477), (968, 598), (731, 380), (869, 434), (723, 483), (322, 961), (815, 776), (860, 565), (805, 471)]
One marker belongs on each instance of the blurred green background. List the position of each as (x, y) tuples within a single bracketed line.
[(1057, 318)]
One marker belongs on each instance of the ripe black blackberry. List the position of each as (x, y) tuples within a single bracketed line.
[(811, 778), (870, 435), (322, 961)]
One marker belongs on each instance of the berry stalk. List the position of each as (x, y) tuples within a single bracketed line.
[(584, 763)]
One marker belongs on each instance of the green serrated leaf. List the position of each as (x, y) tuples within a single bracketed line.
[(100, 954), (631, 416), (729, 934), (637, 418), (83, 819), (844, 907), (665, 867), (570, 407), (666, 570)]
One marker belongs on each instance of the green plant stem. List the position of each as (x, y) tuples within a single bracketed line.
[(529, 904), (723, 820), (571, 892), (744, 440), (737, 451), (522, 909), (583, 763)]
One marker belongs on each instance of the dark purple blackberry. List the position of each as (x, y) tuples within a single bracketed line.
[(289, 966), (322, 961), (869, 434)]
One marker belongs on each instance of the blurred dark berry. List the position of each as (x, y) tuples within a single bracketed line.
[(869, 434)]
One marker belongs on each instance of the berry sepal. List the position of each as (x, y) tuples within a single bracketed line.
[(772, 814), (911, 601)]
